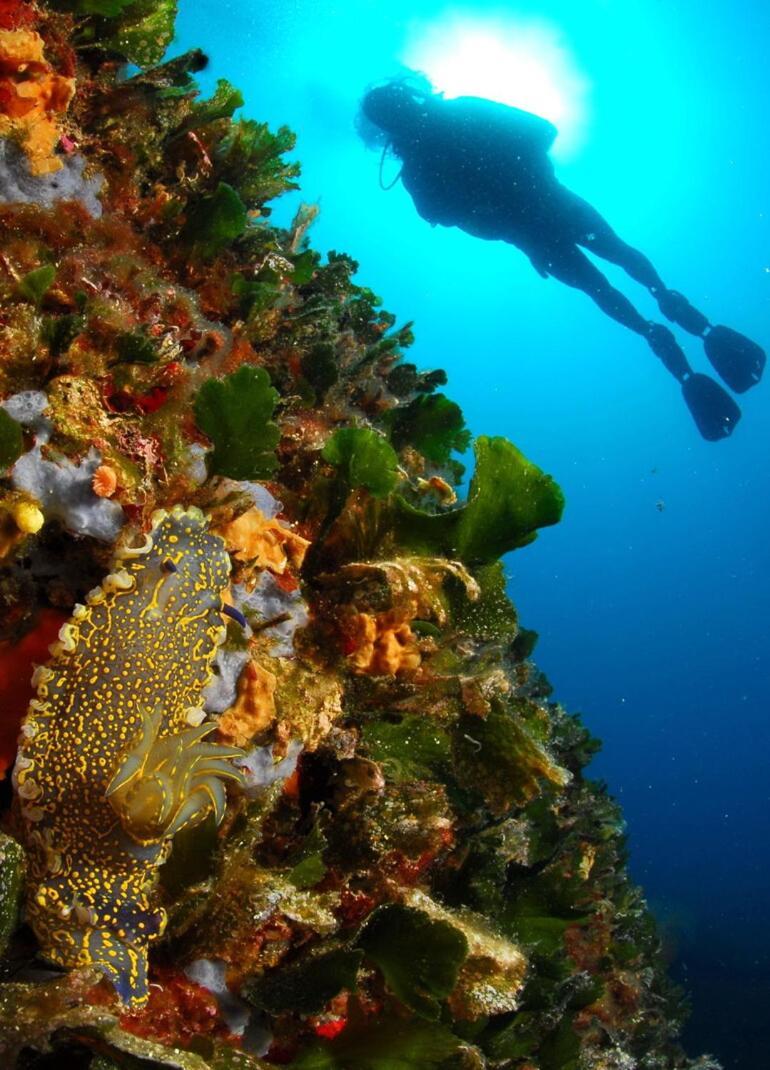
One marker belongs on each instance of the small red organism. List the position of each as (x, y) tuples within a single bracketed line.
[(291, 785), (354, 906), (329, 1030)]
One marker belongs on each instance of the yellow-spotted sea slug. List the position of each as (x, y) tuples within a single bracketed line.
[(113, 760)]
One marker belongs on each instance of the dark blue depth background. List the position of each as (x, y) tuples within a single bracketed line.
[(653, 623)]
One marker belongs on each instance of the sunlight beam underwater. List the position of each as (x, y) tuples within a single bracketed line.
[(524, 64)]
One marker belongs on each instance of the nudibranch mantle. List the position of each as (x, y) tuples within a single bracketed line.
[(112, 760)]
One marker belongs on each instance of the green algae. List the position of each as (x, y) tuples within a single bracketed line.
[(235, 413), (215, 221), (432, 424), (307, 864), (412, 748), (306, 987), (389, 1044), (36, 283), (11, 440), (490, 616), (420, 957), (508, 500), (501, 754), (364, 458)]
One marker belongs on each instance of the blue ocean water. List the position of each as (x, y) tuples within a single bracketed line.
[(652, 597)]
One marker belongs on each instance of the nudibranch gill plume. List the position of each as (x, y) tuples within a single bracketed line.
[(113, 759)]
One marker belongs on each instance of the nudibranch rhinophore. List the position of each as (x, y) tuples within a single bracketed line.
[(113, 760)]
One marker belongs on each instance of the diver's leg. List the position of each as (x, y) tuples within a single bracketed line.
[(596, 235), (738, 360), (569, 265), (591, 230), (604, 242), (713, 410)]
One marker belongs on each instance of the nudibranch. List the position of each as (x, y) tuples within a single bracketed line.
[(113, 760)]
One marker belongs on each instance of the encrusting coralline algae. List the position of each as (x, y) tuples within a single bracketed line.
[(287, 789)]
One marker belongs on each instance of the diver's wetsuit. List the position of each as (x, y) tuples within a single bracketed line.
[(484, 167)]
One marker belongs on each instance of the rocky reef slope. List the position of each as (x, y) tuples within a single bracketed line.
[(282, 784)]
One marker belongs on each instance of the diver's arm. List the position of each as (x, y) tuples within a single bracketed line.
[(426, 207), (423, 194)]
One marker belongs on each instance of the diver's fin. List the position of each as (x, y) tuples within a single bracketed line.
[(714, 411), (738, 360)]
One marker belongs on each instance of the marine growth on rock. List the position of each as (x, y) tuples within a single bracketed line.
[(283, 785)]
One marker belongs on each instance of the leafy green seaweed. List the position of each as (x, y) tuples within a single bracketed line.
[(215, 221), (499, 756), (220, 105), (365, 459), (36, 283), (419, 957), (134, 347), (58, 332), (250, 159), (405, 379), (491, 616), (414, 748), (305, 266), (254, 295), (145, 30), (306, 987), (235, 413), (432, 424), (387, 1044), (138, 30), (308, 866), (11, 440), (508, 500)]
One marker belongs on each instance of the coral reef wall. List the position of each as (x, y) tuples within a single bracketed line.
[(282, 784)]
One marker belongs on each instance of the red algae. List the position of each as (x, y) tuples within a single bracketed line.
[(17, 660), (178, 1011)]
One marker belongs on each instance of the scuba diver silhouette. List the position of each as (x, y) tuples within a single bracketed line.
[(484, 167)]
